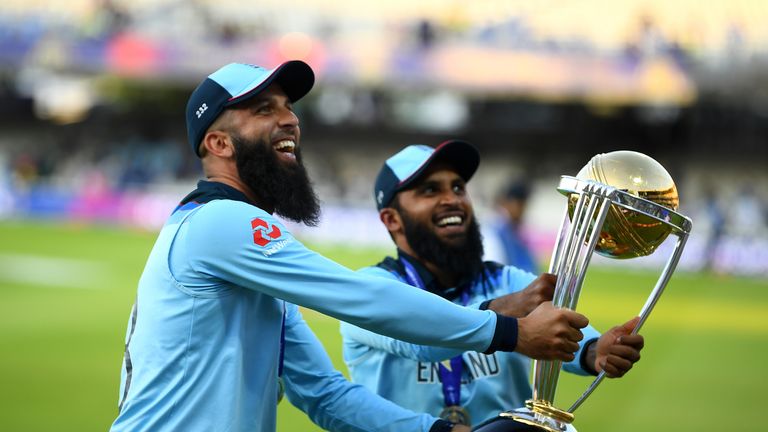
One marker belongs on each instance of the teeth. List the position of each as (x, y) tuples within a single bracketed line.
[(285, 145), (450, 220)]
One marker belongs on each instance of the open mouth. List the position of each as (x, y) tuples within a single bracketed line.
[(451, 225), (449, 221), (286, 148)]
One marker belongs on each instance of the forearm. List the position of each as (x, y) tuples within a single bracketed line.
[(425, 353), (315, 387)]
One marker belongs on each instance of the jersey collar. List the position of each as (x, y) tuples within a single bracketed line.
[(208, 191), (430, 282)]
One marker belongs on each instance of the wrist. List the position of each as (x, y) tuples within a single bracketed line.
[(589, 357), (486, 305), (505, 336)]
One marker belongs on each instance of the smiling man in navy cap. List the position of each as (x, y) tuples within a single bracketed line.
[(215, 328), (421, 194)]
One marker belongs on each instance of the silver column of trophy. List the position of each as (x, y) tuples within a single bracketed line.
[(621, 205)]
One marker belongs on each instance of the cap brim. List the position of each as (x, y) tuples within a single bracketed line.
[(461, 155), (295, 77)]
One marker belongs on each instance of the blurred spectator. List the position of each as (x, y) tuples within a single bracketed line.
[(425, 34), (747, 217), (108, 19), (514, 249), (716, 218)]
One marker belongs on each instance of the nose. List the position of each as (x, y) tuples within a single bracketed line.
[(288, 118), (451, 198)]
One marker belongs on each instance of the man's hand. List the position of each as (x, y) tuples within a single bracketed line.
[(521, 303), (616, 350), (549, 333)]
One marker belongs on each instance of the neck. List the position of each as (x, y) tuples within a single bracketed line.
[(444, 277)]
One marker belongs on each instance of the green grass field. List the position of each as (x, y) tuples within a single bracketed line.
[(66, 292)]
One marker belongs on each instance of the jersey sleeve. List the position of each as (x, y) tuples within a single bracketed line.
[(515, 280), (242, 245), (315, 387), (354, 335)]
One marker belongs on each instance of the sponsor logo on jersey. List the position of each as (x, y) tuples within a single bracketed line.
[(476, 366), (263, 232), (276, 247)]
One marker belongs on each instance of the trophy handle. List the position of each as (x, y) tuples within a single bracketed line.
[(653, 298)]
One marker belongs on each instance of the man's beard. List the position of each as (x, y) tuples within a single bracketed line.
[(285, 187), (463, 260)]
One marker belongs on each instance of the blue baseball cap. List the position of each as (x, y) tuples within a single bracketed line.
[(407, 165), (237, 82)]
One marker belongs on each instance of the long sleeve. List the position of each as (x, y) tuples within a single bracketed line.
[(315, 387), (252, 249), (356, 336)]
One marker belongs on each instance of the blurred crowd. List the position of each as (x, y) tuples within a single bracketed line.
[(137, 181), (374, 73)]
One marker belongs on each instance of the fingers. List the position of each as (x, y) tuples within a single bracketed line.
[(548, 333), (616, 367), (576, 319), (625, 352), (542, 289), (549, 278), (635, 341), (548, 282), (620, 360), (630, 325)]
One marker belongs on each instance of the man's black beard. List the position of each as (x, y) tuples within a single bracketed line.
[(284, 187), (463, 261)]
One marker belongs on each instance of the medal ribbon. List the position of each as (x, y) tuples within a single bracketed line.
[(449, 377)]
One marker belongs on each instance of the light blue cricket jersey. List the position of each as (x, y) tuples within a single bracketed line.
[(204, 337), (407, 374)]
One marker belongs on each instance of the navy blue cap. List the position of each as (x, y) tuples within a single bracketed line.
[(237, 82), (402, 169)]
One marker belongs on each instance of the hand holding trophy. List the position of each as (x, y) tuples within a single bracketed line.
[(621, 205)]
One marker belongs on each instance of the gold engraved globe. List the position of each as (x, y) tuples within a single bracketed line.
[(628, 233)]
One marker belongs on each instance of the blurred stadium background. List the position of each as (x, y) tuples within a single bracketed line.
[(93, 156)]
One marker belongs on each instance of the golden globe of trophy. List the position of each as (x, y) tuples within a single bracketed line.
[(621, 205)]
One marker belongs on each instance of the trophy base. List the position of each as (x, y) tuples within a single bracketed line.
[(505, 424), (537, 416)]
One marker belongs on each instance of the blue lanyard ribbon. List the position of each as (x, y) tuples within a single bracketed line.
[(450, 374)]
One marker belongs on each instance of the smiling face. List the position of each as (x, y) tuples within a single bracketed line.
[(264, 136), (268, 117), (434, 222), (439, 201)]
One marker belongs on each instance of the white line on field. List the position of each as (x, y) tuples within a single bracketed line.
[(52, 272)]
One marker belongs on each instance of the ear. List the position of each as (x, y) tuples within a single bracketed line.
[(218, 143), (391, 219)]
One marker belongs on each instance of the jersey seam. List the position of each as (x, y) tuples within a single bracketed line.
[(177, 284), (187, 351)]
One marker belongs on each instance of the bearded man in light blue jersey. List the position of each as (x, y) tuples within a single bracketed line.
[(215, 323), (423, 202)]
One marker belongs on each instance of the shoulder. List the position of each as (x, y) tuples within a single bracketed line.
[(219, 211), (220, 226), (492, 271), (228, 216), (506, 276), (389, 268)]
